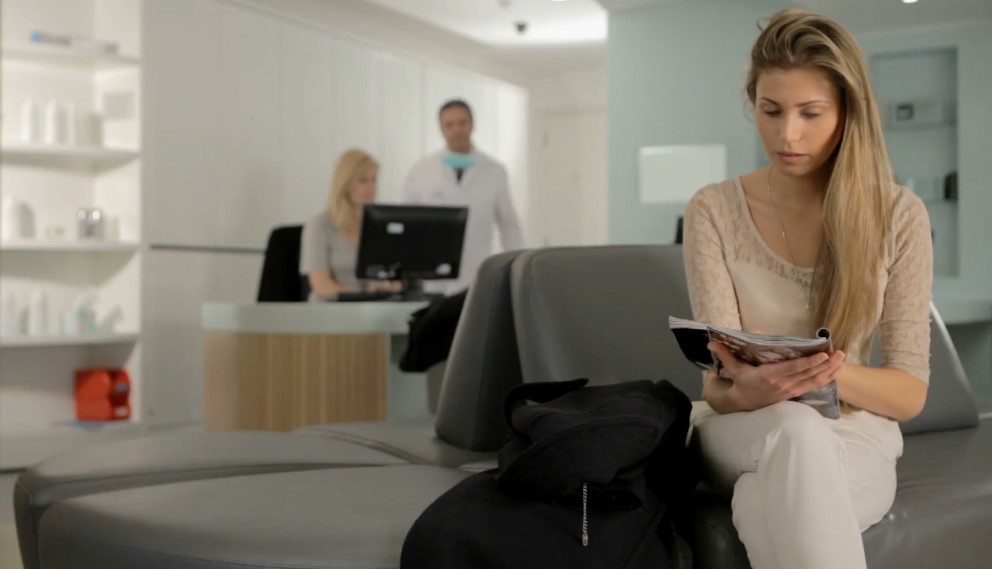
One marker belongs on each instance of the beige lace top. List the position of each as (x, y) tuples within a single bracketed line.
[(736, 280)]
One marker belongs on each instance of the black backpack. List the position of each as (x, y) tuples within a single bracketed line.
[(590, 477), (431, 333)]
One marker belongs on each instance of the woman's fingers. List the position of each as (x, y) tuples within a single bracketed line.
[(807, 372), (722, 353), (823, 377)]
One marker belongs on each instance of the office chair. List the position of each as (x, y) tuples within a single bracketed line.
[(281, 280)]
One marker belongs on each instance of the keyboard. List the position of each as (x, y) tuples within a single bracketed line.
[(358, 296)]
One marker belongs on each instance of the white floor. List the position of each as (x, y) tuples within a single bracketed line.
[(10, 557)]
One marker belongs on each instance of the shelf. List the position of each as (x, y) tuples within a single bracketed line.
[(919, 127), (70, 246), (50, 341), (65, 57), (66, 156)]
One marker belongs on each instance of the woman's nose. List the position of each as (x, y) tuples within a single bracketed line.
[(791, 129)]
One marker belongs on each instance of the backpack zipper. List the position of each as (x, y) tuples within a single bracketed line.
[(585, 517)]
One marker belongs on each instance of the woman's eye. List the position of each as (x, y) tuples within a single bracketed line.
[(810, 115), (772, 112)]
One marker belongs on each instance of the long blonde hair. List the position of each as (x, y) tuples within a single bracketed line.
[(859, 193), (351, 165)]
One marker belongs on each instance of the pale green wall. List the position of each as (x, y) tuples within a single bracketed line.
[(675, 77)]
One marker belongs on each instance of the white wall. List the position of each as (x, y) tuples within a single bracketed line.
[(246, 111), (579, 90), (378, 27), (568, 141), (570, 197)]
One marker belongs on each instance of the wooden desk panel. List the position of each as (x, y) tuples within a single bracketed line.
[(281, 382)]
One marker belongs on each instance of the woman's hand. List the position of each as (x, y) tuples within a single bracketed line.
[(755, 387)]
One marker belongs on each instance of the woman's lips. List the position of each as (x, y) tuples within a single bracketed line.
[(791, 157)]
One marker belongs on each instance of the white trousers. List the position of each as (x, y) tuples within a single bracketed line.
[(803, 487)]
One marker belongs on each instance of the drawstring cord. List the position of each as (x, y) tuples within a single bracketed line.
[(585, 517)]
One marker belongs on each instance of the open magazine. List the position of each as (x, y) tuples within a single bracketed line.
[(757, 349)]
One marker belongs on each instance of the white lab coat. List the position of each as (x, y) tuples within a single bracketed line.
[(484, 188)]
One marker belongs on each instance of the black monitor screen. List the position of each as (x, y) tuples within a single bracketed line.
[(410, 242)]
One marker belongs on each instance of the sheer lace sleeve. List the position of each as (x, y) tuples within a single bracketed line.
[(711, 289), (905, 323)]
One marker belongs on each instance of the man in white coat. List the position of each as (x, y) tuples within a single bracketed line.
[(460, 175)]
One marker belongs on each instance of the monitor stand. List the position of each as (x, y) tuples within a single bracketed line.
[(413, 289)]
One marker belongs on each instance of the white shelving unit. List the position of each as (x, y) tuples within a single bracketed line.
[(65, 340), (70, 246), (66, 56), (45, 185), (66, 156), (918, 93)]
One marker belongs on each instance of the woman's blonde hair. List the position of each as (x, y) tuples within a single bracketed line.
[(859, 193), (351, 165)]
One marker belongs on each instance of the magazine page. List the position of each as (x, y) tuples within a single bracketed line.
[(757, 349)]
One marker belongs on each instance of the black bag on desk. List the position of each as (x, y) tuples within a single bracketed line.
[(588, 478), (432, 330)]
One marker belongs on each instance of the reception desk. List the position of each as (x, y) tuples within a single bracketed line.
[(280, 366)]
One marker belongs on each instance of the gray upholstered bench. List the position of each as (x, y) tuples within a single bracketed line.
[(166, 459), (354, 518), (482, 366), (614, 328), (357, 517)]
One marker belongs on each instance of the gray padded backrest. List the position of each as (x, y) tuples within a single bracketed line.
[(483, 363), (950, 403), (602, 313)]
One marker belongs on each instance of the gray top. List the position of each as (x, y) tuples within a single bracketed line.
[(324, 247)]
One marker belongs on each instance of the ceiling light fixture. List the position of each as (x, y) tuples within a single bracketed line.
[(909, 1)]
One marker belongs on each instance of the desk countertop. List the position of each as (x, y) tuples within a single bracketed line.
[(391, 317), (309, 318)]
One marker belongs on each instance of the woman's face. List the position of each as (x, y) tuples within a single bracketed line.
[(364, 187), (800, 117)]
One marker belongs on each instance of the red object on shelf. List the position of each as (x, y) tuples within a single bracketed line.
[(103, 395)]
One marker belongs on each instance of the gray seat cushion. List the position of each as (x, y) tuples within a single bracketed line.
[(413, 441), (171, 458), (481, 367), (602, 313), (354, 518), (483, 363), (942, 515)]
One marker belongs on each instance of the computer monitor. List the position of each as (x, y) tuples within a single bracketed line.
[(411, 243)]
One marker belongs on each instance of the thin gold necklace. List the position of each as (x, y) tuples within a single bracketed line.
[(795, 268)]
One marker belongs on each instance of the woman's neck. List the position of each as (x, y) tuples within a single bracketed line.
[(798, 192), (352, 223)]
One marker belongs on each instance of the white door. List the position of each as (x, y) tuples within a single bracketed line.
[(570, 201)]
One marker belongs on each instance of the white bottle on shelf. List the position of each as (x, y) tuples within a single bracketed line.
[(29, 122), (10, 220), (80, 319), (54, 123), (9, 314), (71, 135), (38, 314)]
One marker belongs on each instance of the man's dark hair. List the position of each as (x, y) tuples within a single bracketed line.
[(456, 104)]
